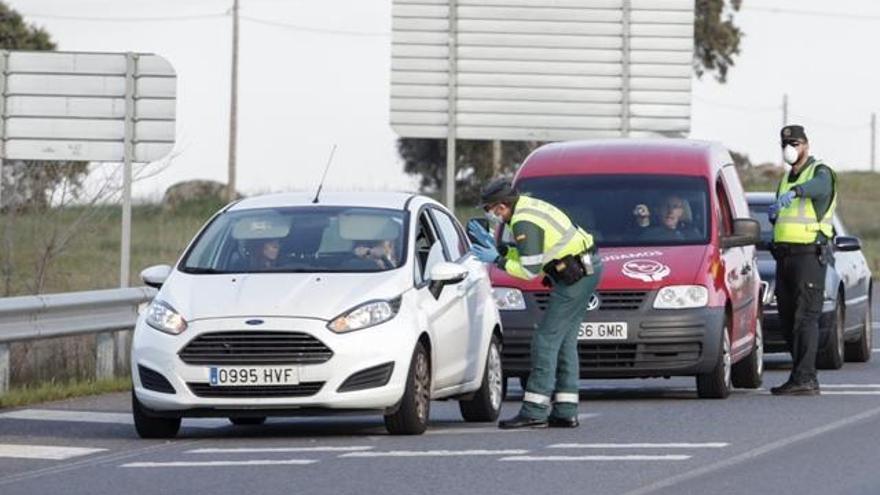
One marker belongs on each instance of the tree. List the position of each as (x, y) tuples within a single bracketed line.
[(716, 37), (716, 40)]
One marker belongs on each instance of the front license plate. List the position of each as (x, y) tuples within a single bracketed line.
[(231, 376), (602, 331)]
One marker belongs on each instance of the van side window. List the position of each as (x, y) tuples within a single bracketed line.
[(428, 249), (725, 222)]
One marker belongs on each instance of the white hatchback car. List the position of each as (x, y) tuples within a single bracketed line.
[(281, 306)]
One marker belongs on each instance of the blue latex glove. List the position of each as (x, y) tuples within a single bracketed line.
[(785, 200), (486, 254), (773, 212), (482, 235)]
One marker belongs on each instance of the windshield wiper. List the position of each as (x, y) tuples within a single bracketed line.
[(200, 270)]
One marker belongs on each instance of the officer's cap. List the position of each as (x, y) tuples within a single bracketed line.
[(791, 132), (498, 191)]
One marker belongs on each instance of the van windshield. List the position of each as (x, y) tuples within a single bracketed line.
[(630, 210), (300, 239)]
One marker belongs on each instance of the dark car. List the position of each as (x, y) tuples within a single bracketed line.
[(845, 324)]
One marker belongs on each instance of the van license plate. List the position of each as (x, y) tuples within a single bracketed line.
[(602, 331), (232, 376)]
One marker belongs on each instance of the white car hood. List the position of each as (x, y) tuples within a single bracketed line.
[(297, 295)]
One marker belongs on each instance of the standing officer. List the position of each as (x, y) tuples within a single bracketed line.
[(546, 241), (806, 199)]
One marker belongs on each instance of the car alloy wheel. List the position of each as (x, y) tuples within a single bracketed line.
[(422, 387)]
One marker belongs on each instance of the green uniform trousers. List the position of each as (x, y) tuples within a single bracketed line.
[(554, 376)]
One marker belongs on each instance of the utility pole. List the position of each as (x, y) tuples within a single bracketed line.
[(784, 119), (233, 106), (496, 157), (873, 142)]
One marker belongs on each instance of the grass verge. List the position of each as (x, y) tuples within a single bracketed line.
[(45, 392)]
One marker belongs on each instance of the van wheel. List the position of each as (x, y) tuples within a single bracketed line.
[(151, 427), (831, 356), (486, 402), (247, 420), (716, 384), (411, 418), (860, 350), (749, 372)]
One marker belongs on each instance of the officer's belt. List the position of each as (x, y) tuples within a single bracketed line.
[(789, 249)]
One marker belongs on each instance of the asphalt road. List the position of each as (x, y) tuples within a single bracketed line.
[(636, 437)]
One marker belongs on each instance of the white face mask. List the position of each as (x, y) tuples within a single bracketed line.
[(790, 154), (493, 218)]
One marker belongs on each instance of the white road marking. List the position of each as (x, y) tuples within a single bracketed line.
[(849, 385), (434, 453), (72, 416), (259, 462), (754, 453), (247, 450), (44, 451), (851, 392), (466, 431), (65, 415), (595, 458), (708, 445)]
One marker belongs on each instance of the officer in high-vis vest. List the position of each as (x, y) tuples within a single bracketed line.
[(802, 230), (549, 245)]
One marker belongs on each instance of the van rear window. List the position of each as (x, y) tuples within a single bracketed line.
[(630, 210)]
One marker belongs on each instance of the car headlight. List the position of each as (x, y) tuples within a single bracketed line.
[(508, 299), (366, 315), (681, 297), (162, 317)]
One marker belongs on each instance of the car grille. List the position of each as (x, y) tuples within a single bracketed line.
[(304, 389), (153, 380), (612, 356), (376, 376), (610, 300), (257, 348)]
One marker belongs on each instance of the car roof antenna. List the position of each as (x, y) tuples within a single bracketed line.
[(326, 168)]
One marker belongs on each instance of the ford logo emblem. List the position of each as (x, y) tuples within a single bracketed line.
[(594, 303), (254, 322)]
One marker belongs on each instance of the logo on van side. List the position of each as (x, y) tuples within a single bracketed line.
[(646, 270)]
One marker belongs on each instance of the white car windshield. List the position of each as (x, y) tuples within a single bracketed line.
[(630, 210), (300, 239)]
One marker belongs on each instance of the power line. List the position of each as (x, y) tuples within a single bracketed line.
[(127, 19), (308, 29), (816, 13), (742, 108)]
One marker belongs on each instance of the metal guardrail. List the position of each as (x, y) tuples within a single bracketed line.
[(75, 313)]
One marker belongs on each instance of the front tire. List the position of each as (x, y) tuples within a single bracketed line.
[(151, 427), (485, 405), (717, 383), (831, 356), (749, 372), (411, 417), (860, 350)]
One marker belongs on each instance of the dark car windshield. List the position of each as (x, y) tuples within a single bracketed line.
[(300, 239), (630, 210)]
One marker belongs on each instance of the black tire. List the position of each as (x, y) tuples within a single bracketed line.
[(411, 417), (485, 405), (717, 383), (831, 356), (149, 426), (749, 372), (247, 420), (504, 387), (860, 350)]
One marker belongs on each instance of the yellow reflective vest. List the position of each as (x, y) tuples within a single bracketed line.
[(561, 237), (798, 223)]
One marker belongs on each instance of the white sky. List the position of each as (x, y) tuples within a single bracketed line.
[(304, 87)]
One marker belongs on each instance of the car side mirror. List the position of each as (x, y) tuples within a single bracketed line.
[(847, 243), (156, 275), (746, 232), (445, 273), (483, 222)]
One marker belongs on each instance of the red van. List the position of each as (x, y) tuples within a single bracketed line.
[(680, 294)]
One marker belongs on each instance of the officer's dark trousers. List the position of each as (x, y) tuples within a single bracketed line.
[(800, 289), (552, 387)]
